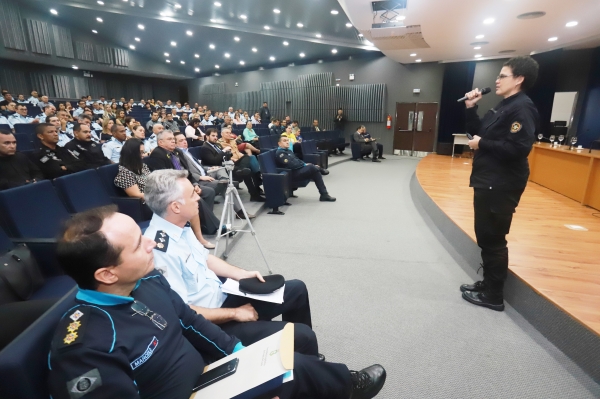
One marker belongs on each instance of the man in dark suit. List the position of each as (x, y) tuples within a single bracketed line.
[(265, 114), (276, 128), (315, 126)]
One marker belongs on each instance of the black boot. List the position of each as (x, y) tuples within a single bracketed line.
[(367, 383), (326, 198), (485, 299), (475, 287)]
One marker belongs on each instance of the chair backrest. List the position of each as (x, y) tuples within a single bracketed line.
[(5, 243), (28, 128), (195, 151), (4, 126), (266, 161), (107, 175), (24, 362), (82, 191), (265, 142), (24, 142), (33, 211)]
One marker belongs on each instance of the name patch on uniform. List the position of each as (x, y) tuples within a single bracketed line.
[(146, 355), (515, 127)]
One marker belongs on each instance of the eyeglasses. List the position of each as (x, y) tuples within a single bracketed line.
[(143, 310), (500, 77)]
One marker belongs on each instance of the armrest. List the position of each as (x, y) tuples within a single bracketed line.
[(282, 171), (312, 158), (130, 206)]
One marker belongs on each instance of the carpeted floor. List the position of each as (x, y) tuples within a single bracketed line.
[(384, 290)]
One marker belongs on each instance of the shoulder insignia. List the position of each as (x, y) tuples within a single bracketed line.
[(515, 127), (74, 328), (162, 241), (281, 155), (285, 160)]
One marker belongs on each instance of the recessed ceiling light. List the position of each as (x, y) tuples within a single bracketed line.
[(227, 55), (166, 13), (318, 35), (477, 48), (267, 27), (320, 61), (479, 36), (177, 6), (418, 60), (131, 46), (137, 39), (197, 69), (553, 39), (75, 67), (99, 19), (348, 25), (217, 4), (212, 46), (190, 12), (214, 21), (100, 2), (197, 55), (242, 63), (285, 43), (94, 31), (189, 32), (489, 21), (254, 49), (166, 54), (237, 39), (141, 27), (571, 24), (360, 35), (531, 15), (300, 25), (335, 12), (243, 16), (216, 66), (168, 61), (413, 55), (400, 18), (276, 10), (174, 44), (272, 58), (53, 11), (302, 55), (477, 55), (334, 51), (182, 62)]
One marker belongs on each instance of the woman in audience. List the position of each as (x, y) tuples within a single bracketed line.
[(127, 108), (237, 119), (193, 132), (162, 115), (108, 113), (149, 108), (245, 117), (250, 135), (139, 132), (107, 124), (120, 117), (132, 179), (62, 107), (69, 108), (288, 133)]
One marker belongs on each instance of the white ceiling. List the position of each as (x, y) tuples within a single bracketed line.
[(449, 26)]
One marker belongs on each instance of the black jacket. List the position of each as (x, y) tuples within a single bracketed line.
[(276, 130), (314, 129), (339, 122), (286, 159), (18, 170), (161, 159), (57, 162), (507, 134), (210, 156), (89, 152), (265, 115)]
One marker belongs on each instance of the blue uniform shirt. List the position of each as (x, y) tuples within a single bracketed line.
[(18, 118), (3, 120), (150, 143), (112, 149), (183, 262)]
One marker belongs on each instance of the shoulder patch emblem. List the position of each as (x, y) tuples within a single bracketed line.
[(285, 160), (79, 386), (161, 240), (515, 127)]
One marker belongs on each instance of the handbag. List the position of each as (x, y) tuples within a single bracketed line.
[(20, 275)]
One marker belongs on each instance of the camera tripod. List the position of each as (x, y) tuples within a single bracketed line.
[(228, 217)]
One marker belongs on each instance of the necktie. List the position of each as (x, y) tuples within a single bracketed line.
[(175, 161)]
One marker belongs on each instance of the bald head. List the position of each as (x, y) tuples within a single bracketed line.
[(157, 128)]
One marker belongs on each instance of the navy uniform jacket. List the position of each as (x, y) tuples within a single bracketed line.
[(50, 162), (507, 134), (284, 158), (89, 152), (101, 351)]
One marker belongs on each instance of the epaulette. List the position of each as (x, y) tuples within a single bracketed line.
[(162, 241), (74, 324)]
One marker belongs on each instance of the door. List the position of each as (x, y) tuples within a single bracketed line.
[(404, 128), (415, 126)]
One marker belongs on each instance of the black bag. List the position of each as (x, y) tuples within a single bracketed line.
[(20, 275), (255, 286)]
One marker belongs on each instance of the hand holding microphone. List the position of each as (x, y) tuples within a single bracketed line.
[(473, 96)]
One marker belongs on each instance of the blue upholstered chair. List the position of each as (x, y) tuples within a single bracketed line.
[(276, 182)]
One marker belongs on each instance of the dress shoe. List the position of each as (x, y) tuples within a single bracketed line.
[(257, 198), (475, 287), (367, 383), (321, 357), (381, 157), (484, 299), (376, 160), (208, 245), (323, 171), (326, 198), (240, 215)]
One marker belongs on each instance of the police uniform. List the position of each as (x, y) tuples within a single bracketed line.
[(64, 137), (150, 143), (33, 101), (499, 176), (3, 120), (183, 262), (89, 152), (18, 118), (78, 112), (112, 149), (52, 161), (284, 158), (41, 117)]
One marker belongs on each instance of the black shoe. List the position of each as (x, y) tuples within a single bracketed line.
[(260, 191), (367, 383), (476, 287), (342, 153), (326, 198), (368, 156), (257, 198), (375, 160), (356, 159), (381, 157), (483, 299), (323, 171), (240, 215), (321, 357)]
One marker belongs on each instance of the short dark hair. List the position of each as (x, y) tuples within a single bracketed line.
[(76, 126), (210, 130), (130, 157), (82, 249), (195, 120), (41, 127), (114, 127), (5, 132), (526, 67), (128, 120)]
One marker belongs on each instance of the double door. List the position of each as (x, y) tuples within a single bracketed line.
[(415, 127)]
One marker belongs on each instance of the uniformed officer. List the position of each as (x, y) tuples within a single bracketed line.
[(64, 127), (85, 149), (112, 148), (52, 160), (49, 110), (152, 142), (284, 158), (129, 335), (20, 117), (502, 141), (3, 120)]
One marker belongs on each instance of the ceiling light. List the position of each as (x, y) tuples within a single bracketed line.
[(488, 21), (212, 46), (197, 55), (237, 39), (53, 11), (242, 63), (413, 55), (568, 25), (479, 37), (214, 21), (190, 12), (348, 25), (254, 49), (477, 48), (302, 55), (318, 35), (360, 35), (285, 43), (300, 25), (216, 66), (137, 39), (335, 12), (174, 44), (227, 55), (243, 16), (272, 58), (168, 61), (418, 60), (141, 27), (197, 69), (267, 27), (182, 62), (553, 39), (217, 4), (177, 6), (166, 13), (400, 18), (94, 31), (189, 32), (531, 15), (75, 67), (131, 46), (166, 54), (276, 10), (334, 51), (477, 55), (99, 19), (100, 2)]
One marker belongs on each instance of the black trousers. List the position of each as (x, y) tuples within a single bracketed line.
[(17, 316), (493, 216), (209, 223), (294, 309), (310, 172)]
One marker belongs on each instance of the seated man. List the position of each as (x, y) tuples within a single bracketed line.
[(16, 169), (365, 143), (20, 117), (112, 148), (44, 101), (153, 121), (49, 110), (284, 158), (129, 335), (52, 160), (152, 142), (85, 149), (3, 120), (275, 128), (367, 136), (64, 127), (315, 126)]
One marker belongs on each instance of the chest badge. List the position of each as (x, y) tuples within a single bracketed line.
[(515, 127)]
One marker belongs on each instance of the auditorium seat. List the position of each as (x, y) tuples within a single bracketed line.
[(265, 143), (276, 182), (5, 127), (24, 142), (309, 147), (26, 128)]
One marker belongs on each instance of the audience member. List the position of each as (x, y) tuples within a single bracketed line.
[(64, 127), (265, 113), (153, 120), (7, 99), (275, 128), (170, 124), (231, 113), (107, 125), (339, 122), (206, 121), (366, 135), (34, 99), (54, 161), (365, 143), (16, 169), (237, 119), (250, 136), (152, 142), (112, 148), (11, 109), (83, 147), (20, 117), (255, 119), (247, 161), (193, 132), (79, 110), (315, 126), (3, 120)]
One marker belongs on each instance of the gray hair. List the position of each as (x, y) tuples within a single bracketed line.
[(160, 135), (162, 189)]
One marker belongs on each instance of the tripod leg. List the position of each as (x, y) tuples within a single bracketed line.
[(221, 223)]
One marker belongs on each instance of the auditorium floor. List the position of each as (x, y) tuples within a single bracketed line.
[(384, 290)]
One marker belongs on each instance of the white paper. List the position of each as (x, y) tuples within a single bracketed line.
[(233, 287)]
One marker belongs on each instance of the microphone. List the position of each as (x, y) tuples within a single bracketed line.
[(482, 91)]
